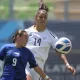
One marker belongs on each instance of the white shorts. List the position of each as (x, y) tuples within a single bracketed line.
[(32, 72)]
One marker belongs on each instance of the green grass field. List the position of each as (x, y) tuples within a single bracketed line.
[(23, 9)]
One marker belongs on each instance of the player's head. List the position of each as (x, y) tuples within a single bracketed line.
[(42, 14), (20, 38)]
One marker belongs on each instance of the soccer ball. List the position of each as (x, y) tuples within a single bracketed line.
[(63, 45)]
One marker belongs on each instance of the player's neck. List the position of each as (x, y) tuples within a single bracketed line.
[(39, 28)]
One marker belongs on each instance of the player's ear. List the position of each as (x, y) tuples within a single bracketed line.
[(35, 18)]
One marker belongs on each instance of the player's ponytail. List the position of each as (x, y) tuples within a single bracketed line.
[(43, 6)]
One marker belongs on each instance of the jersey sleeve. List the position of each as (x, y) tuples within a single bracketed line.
[(32, 61), (54, 40), (2, 52), (27, 30)]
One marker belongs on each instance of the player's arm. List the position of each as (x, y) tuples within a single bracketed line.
[(34, 65), (41, 73), (63, 57)]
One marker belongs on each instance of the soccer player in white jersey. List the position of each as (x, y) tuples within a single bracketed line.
[(40, 41)]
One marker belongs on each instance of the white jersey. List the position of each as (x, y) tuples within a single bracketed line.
[(40, 42)]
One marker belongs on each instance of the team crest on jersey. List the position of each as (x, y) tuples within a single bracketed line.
[(16, 54)]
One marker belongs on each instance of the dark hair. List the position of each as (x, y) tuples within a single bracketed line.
[(42, 7), (18, 32)]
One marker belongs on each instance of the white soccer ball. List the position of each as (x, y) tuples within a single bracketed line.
[(63, 45)]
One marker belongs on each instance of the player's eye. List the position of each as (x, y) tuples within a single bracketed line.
[(41, 17)]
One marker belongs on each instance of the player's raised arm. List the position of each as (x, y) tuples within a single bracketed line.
[(64, 46)]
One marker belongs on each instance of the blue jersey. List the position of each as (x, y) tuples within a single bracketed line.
[(15, 62)]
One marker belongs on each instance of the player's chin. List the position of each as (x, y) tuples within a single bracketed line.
[(24, 45)]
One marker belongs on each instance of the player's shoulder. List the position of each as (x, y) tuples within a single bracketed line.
[(51, 33), (27, 50), (29, 29), (7, 45)]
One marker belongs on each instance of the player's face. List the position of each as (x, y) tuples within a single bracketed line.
[(24, 39), (41, 18)]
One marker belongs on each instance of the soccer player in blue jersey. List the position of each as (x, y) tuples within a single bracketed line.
[(16, 56)]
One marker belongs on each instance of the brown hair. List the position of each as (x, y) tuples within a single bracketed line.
[(42, 6), (18, 32)]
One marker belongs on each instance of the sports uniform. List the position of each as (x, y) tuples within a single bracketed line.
[(15, 62), (39, 44)]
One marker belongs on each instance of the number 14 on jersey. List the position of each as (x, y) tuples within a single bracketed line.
[(37, 42)]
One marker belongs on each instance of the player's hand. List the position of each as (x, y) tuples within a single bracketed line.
[(49, 79), (71, 69)]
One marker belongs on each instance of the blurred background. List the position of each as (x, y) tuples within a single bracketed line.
[(63, 20)]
